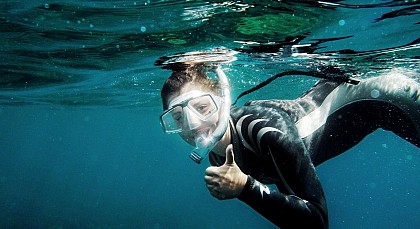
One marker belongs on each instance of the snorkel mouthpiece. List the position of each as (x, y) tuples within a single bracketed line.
[(201, 150), (206, 142), (197, 156)]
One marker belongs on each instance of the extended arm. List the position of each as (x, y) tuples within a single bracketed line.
[(306, 207)]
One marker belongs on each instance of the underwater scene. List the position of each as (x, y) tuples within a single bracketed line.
[(80, 81)]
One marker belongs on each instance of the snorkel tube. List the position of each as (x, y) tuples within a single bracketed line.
[(206, 141)]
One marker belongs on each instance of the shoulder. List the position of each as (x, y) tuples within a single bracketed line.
[(254, 109), (258, 125), (252, 114)]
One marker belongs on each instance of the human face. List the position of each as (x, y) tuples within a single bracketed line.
[(192, 112)]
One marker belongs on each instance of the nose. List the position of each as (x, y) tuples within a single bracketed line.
[(191, 121)]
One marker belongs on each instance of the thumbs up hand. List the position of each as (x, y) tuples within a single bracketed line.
[(226, 181)]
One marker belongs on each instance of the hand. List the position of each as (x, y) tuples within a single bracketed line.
[(226, 181)]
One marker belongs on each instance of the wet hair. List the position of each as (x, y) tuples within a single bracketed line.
[(187, 74)]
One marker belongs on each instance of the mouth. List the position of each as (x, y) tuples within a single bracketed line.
[(197, 135), (201, 137), (202, 132)]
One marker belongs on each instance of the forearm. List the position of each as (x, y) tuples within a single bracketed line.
[(285, 211)]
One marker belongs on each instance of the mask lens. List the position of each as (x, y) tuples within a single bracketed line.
[(172, 120), (202, 107)]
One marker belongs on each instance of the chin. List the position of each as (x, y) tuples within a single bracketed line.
[(188, 138)]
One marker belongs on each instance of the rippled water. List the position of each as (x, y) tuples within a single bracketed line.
[(102, 53)]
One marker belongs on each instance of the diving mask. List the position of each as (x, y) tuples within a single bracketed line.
[(189, 111)]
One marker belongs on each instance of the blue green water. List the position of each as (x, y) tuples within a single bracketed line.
[(81, 146)]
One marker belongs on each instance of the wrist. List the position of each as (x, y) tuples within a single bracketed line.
[(249, 184), (243, 179)]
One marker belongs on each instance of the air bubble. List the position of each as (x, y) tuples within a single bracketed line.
[(375, 93), (143, 29), (342, 22)]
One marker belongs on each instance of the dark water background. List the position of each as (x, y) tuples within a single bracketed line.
[(81, 146)]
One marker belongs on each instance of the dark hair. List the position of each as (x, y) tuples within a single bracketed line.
[(183, 75)]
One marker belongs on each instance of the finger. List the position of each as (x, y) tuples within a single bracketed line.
[(214, 194), (211, 171), (217, 195), (208, 179), (213, 190), (210, 187), (230, 159)]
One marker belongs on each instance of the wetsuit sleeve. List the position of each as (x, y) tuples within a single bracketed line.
[(306, 208)]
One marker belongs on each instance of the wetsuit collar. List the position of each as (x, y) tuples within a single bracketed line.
[(234, 140)]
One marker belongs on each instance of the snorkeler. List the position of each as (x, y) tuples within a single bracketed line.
[(281, 141)]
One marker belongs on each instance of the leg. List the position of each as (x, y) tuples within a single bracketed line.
[(390, 101), (402, 92)]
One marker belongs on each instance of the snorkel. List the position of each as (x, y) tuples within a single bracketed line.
[(205, 142)]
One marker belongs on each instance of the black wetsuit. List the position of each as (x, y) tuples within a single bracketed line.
[(297, 135)]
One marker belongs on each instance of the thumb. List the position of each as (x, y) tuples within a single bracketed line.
[(230, 159)]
